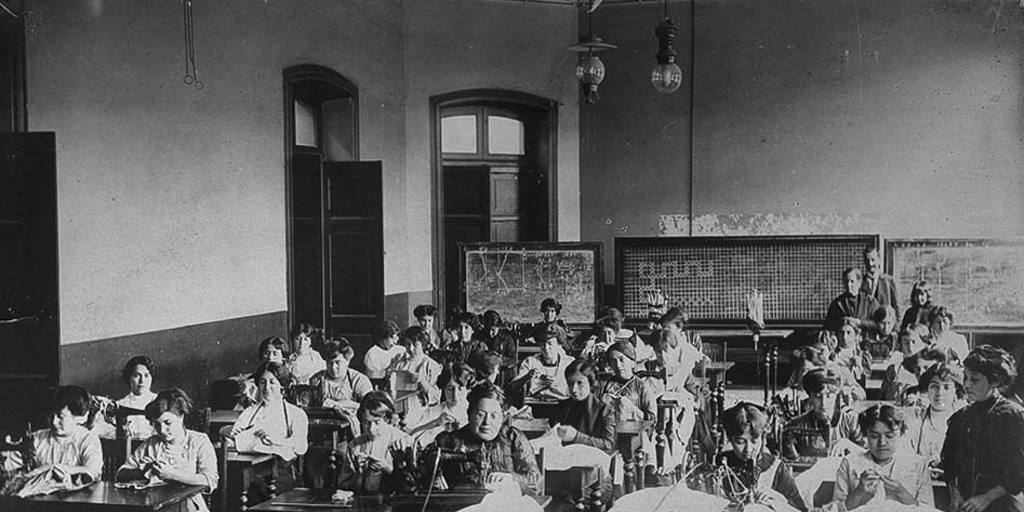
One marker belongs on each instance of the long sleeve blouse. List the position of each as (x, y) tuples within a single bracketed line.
[(984, 448)]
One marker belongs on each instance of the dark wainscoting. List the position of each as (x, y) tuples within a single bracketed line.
[(188, 357)]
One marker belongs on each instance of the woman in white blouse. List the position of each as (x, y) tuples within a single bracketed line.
[(888, 470), (271, 424)]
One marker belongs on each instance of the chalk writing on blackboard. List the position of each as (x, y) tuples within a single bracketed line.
[(980, 280), (514, 280)]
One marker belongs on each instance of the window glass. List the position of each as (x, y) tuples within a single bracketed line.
[(504, 136), (458, 134), (305, 124)]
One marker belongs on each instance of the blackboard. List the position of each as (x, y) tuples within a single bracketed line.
[(513, 279), (981, 281), (711, 277)]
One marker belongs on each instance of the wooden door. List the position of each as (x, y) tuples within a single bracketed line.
[(354, 232), (29, 322), (467, 206)]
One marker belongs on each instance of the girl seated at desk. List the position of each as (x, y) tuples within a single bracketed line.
[(173, 453), (943, 338), (583, 418), (486, 452), (138, 375), (983, 455), (629, 396), (67, 446), (368, 464), (420, 372), (451, 412), (340, 387), (382, 353), (271, 350), (425, 315), (927, 424), (305, 361), (888, 470), (272, 425), (920, 305), (827, 428), (609, 330), (543, 375), (760, 472)]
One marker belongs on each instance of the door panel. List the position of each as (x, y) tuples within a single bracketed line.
[(355, 269), (29, 323)]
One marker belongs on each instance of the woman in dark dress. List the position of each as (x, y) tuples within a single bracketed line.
[(983, 455)]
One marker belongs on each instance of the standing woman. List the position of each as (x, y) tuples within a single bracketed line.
[(983, 455)]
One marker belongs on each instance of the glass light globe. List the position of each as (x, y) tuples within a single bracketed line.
[(667, 78), (590, 70)]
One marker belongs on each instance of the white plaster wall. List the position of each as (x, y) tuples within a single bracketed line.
[(171, 200)]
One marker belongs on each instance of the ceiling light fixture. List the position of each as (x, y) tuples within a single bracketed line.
[(666, 76)]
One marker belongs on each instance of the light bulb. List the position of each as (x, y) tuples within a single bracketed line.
[(667, 77)]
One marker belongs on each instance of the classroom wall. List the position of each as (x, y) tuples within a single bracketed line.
[(172, 200), (838, 116), (458, 45)]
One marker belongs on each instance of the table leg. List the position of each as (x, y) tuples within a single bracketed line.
[(641, 471), (659, 448), (628, 472)]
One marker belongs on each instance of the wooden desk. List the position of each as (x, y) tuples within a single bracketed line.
[(628, 440), (103, 496), (240, 470), (319, 500)]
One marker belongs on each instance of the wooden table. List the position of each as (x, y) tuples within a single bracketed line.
[(319, 500), (103, 496)]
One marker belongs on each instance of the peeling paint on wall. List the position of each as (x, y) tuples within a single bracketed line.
[(766, 224)]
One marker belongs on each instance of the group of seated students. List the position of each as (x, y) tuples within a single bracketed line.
[(449, 397), (945, 412)]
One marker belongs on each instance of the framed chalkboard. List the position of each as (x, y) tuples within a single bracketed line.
[(513, 278), (980, 280), (710, 278)]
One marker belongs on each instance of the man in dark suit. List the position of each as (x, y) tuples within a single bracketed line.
[(876, 283)]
